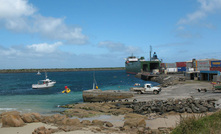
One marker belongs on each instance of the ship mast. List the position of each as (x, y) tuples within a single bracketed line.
[(150, 52)]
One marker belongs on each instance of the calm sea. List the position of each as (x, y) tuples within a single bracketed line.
[(16, 92)]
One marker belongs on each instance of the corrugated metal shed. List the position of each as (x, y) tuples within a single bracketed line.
[(211, 72), (208, 75)]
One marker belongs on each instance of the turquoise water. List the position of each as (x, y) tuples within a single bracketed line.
[(16, 92)]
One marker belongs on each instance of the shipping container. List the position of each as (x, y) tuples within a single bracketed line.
[(163, 65), (189, 69), (204, 63), (171, 65), (181, 69), (180, 64), (171, 70), (189, 64), (215, 69), (203, 68), (215, 63)]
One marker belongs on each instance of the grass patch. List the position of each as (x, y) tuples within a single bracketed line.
[(199, 124)]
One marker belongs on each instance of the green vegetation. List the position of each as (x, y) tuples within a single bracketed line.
[(209, 124), (58, 70)]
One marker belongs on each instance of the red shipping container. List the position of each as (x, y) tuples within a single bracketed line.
[(163, 65), (215, 69), (181, 64)]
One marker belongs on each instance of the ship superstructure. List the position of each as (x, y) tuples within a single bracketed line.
[(134, 65)]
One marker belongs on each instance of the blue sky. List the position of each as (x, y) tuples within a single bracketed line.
[(101, 33)]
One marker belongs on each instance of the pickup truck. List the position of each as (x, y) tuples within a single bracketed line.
[(147, 88)]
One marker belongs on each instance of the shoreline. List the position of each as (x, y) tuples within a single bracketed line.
[(59, 70), (118, 118)]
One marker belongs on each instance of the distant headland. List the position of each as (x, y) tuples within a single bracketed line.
[(58, 69)]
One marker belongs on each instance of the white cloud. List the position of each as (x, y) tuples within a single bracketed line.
[(55, 28), (45, 55), (10, 52), (206, 7), (119, 47), (34, 50), (44, 47), (21, 16), (15, 8)]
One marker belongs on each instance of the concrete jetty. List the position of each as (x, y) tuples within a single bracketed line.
[(97, 95)]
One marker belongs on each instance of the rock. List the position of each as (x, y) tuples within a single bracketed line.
[(59, 119), (12, 121), (135, 122), (97, 123), (86, 122), (31, 117), (202, 109), (70, 122), (68, 128), (48, 119), (108, 124), (27, 118), (98, 129), (55, 119), (10, 113), (169, 108), (126, 128), (81, 113), (121, 111), (188, 110), (212, 109), (122, 129), (181, 110)]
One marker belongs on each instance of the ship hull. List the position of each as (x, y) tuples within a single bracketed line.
[(133, 67), (141, 66)]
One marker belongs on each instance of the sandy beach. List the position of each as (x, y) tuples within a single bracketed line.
[(117, 121)]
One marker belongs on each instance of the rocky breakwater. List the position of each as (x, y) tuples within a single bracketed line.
[(188, 105), (97, 95)]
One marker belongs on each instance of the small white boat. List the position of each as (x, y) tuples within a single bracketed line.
[(38, 73), (44, 83)]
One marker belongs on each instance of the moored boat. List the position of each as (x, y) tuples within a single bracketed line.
[(38, 73), (47, 83), (134, 65)]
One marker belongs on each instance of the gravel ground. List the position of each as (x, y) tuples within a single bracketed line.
[(186, 89)]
